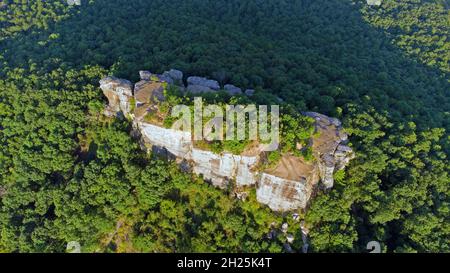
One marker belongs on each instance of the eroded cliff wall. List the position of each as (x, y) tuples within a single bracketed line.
[(287, 186)]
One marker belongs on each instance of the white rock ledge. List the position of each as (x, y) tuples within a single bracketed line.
[(288, 187)]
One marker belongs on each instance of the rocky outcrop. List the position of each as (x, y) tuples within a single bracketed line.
[(195, 84), (330, 147), (176, 142), (119, 93), (281, 190), (175, 75), (145, 75), (194, 80), (232, 90), (172, 76), (282, 194), (373, 2), (220, 169), (287, 186), (331, 154)]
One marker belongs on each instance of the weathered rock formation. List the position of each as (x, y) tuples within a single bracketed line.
[(119, 93), (373, 2), (203, 82), (232, 90), (172, 76), (74, 2), (287, 186), (330, 147), (220, 169)]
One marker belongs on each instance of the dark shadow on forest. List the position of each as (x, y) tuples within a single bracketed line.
[(316, 56)]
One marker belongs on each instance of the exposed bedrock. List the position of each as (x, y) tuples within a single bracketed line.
[(119, 93), (287, 186)]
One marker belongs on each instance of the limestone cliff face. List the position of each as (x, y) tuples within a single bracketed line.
[(220, 169), (287, 186), (119, 93)]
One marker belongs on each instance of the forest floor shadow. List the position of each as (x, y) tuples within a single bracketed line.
[(316, 56)]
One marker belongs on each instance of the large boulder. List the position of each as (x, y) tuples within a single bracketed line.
[(323, 120), (342, 156), (200, 81), (166, 78), (119, 93), (288, 185), (175, 75), (330, 147), (373, 2), (145, 75), (327, 165), (291, 183), (172, 76), (281, 194), (232, 90)]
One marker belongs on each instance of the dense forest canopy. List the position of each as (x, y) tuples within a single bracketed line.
[(67, 173)]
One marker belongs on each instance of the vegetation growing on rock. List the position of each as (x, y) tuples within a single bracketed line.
[(67, 173)]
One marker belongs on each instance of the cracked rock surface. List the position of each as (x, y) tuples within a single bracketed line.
[(287, 186)]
